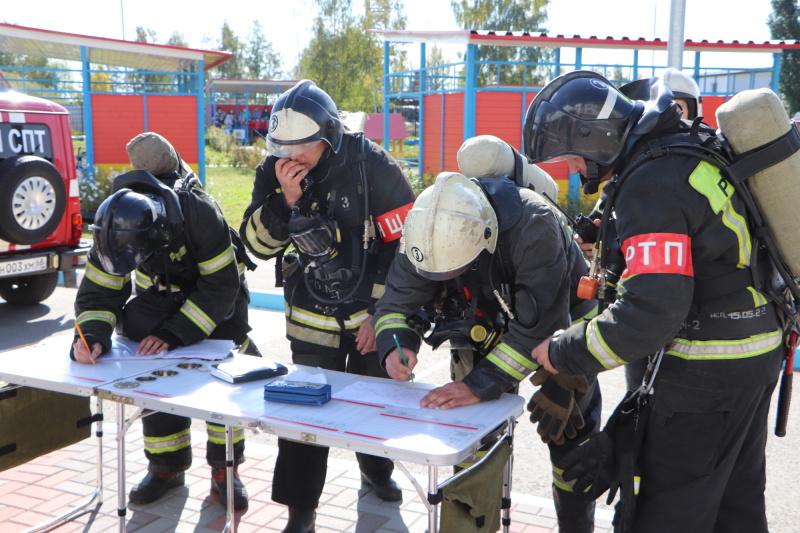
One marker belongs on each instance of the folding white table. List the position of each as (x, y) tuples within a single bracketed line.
[(47, 366), (431, 437)]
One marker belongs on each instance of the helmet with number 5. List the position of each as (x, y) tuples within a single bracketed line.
[(448, 227)]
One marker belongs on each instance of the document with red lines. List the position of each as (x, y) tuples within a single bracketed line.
[(389, 393)]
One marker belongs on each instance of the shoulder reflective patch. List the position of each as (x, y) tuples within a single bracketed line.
[(391, 224), (658, 253)]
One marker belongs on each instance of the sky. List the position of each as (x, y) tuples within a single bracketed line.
[(287, 23)]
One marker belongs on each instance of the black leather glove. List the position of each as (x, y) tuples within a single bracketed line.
[(554, 408), (592, 466)]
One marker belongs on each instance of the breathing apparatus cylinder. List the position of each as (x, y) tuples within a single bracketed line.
[(750, 120)]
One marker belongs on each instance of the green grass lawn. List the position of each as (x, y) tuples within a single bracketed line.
[(231, 187)]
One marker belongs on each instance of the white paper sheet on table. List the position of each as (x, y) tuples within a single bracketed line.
[(382, 394), (209, 349)]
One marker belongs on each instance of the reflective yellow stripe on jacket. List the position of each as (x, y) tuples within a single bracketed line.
[(725, 349), (198, 317), (392, 321), (260, 239), (511, 361), (104, 279)]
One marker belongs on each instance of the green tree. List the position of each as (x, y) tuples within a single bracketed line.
[(501, 16), (229, 42), (260, 60), (343, 58), (783, 24)]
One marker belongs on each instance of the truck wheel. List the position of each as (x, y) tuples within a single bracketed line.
[(28, 290), (32, 199)]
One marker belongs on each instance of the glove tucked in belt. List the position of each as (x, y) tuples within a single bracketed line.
[(554, 407)]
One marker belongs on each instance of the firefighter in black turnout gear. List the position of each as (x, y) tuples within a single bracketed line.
[(489, 264), (189, 286), (340, 202), (692, 291)]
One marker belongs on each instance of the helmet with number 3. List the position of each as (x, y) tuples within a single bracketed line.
[(302, 117)]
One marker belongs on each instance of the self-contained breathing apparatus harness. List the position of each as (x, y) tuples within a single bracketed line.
[(306, 206), (462, 311)]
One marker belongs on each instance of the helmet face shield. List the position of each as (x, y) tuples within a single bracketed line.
[(579, 114), (129, 229), (289, 150), (556, 135)]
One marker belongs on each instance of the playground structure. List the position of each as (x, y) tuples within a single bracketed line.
[(458, 100), (118, 89)]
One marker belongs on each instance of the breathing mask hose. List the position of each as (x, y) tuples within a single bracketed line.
[(361, 158)]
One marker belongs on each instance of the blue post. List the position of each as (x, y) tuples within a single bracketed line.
[(201, 128), (470, 91), (423, 82), (386, 50), (88, 131), (776, 72)]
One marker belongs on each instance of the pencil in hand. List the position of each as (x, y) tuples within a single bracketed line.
[(80, 332), (402, 356)]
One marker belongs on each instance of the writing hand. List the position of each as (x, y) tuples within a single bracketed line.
[(395, 367), (82, 355)]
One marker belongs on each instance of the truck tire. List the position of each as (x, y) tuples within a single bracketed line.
[(32, 199), (28, 290)]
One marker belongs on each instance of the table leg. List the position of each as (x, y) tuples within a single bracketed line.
[(433, 491), (230, 525), (121, 493)]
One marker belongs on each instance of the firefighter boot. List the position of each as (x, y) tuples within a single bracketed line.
[(301, 520), (575, 513), (385, 489), (219, 485), (155, 485)]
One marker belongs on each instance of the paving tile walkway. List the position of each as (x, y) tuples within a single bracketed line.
[(32, 493)]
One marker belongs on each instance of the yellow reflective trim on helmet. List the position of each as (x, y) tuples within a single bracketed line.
[(198, 317), (217, 263), (599, 349), (752, 346), (104, 279)]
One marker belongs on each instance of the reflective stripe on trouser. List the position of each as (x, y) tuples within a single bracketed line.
[(300, 469), (168, 446)]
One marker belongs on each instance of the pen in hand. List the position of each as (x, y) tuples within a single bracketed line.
[(80, 332), (402, 356)]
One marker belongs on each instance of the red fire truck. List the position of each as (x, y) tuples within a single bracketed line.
[(40, 213)]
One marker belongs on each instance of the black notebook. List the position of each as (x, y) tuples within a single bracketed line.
[(247, 368)]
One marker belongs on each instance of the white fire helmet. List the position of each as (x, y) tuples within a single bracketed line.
[(487, 156), (448, 227), (685, 88)]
